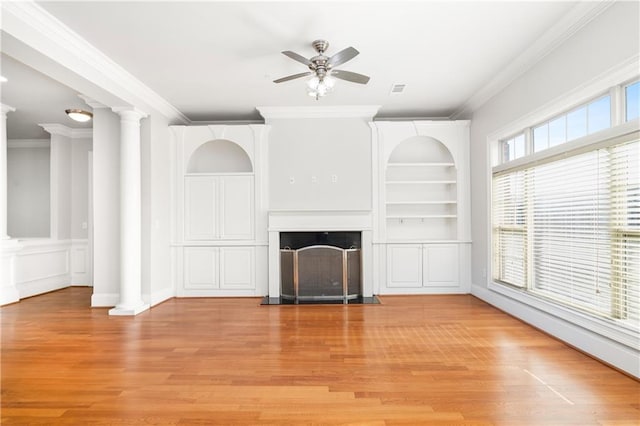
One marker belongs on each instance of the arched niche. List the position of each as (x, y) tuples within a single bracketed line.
[(421, 149), (219, 156)]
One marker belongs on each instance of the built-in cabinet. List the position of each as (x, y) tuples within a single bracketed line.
[(212, 268), (416, 236), (219, 207), (217, 251), (432, 266), (422, 207)]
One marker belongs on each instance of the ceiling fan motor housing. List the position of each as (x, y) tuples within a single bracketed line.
[(320, 46)]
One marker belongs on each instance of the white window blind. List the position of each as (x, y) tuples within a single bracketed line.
[(569, 230), (509, 231)]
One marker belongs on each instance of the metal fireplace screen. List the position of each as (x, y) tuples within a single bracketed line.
[(320, 273)]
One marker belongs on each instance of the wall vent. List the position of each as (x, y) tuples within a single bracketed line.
[(396, 89)]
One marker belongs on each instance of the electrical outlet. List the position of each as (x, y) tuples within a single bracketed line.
[(292, 180), (334, 178), (314, 179), (84, 225)]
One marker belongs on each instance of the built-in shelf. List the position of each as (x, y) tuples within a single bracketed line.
[(220, 174), (434, 182), (420, 216), (411, 203), (421, 164), (421, 192)]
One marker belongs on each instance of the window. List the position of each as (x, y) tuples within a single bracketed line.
[(566, 222), (584, 120), (568, 229), (632, 101), (513, 148)]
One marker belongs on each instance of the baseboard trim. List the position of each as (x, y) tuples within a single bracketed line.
[(104, 300)]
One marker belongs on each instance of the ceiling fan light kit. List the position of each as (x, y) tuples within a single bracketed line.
[(321, 69)]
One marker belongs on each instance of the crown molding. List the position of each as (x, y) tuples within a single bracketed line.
[(33, 25), (346, 111), (28, 143), (6, 109), (579, 16), (91, 102), (62, 130)]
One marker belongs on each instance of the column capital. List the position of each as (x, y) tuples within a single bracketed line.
[(6, 108), (130, 113)]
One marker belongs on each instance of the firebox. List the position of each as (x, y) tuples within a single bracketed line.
[(320, 266)]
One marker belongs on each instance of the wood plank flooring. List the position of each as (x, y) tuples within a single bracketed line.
[(432, 360)]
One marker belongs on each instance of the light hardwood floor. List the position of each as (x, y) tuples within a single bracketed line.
[(433, 360)]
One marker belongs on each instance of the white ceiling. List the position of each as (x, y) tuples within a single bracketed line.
[(217, 60)]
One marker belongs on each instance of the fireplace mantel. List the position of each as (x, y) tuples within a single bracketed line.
[(320, 220)]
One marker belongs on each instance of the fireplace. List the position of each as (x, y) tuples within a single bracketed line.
[(320, 266), (318, 238)]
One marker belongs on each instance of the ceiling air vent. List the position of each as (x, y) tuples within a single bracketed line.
[(396, 89)]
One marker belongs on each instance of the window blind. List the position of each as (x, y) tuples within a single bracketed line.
[(569, 230)]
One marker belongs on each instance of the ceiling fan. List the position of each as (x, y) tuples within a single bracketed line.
[(322, 69)]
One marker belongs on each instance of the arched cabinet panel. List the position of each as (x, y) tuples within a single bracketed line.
[(220, 217), (219, 156)]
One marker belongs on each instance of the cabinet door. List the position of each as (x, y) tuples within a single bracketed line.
[(201, 265), (404, 265), (237, 267), (441, 265), (237, 208), (200, 208)]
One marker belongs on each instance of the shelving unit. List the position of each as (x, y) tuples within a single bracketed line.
[(421, 196)]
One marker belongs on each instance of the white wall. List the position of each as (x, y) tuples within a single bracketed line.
[(320, 147), (28, 193), (60, 185), (106, 207), (609, 40), (79, 188)]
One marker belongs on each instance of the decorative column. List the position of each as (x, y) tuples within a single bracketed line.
[(3, 171), (131, 302), (8, 247)]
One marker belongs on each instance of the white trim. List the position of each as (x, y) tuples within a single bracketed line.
[(62, 130), (28, 143), (92, 103), (45, 33), (579, 16), (344, 111), (104, 300), (160, 296)]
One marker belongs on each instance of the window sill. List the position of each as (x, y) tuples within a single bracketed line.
[(604, 327)]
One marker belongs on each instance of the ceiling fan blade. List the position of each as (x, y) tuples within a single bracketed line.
[(293, 77), (353, 77), (342, 56), (296, 57)]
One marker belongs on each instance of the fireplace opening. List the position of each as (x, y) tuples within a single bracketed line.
[(320, 266), (298, 240)]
